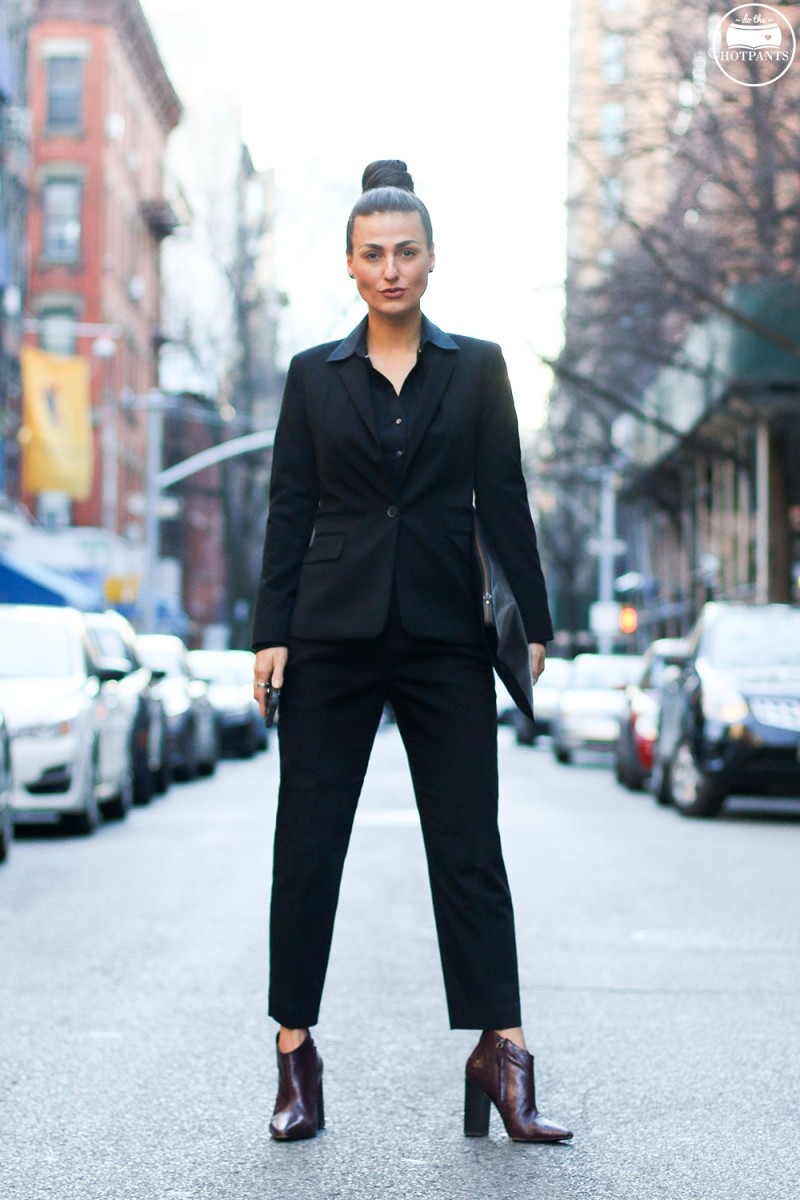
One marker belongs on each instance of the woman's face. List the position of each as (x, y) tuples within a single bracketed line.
[(391, 261)]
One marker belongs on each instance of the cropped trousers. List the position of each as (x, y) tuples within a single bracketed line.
[(331, 705)]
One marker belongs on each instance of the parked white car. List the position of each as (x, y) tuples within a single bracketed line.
[(192, 729), (70, 737), (230, 690), (591, 703), (115, 639)]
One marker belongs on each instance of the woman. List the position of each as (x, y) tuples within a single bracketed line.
[(367, 595)]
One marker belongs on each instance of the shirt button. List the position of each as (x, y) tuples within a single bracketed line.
[(398, 453), (398, 421), (391, 510)]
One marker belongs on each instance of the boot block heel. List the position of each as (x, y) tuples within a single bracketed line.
[(476, 1111)]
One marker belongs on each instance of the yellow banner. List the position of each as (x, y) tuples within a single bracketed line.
[(56, 434)]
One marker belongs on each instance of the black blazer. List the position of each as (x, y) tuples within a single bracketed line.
[(339, 531)]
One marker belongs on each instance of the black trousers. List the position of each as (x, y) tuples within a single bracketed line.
[(444, 702)]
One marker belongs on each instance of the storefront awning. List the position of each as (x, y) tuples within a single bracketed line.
[(29, 583)]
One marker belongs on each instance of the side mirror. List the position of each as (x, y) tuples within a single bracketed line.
[(679, 659), (112, 670)]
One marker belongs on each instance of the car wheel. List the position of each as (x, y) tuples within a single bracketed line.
[(120, 805), (248, 742), (88, 817), (693, 794), (659, 782), (162, 776), (188, 768), (635, 781), (6, 833), (143, 778), (562, 756), (629, 773), (207, 766)]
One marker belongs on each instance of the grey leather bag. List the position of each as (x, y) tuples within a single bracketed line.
[(502, 625)]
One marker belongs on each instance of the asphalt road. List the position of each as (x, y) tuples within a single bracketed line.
[(660, 972)]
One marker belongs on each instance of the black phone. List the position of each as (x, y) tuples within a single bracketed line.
[(273, 699)]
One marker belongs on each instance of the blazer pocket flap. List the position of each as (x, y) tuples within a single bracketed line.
[(324, 547)]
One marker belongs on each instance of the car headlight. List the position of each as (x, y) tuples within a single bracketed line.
[(50, 729), (722, 702)]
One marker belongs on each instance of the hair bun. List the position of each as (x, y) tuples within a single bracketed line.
[(387, 172)]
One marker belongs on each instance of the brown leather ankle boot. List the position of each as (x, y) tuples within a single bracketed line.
[(299, 1110), (501, 1073)]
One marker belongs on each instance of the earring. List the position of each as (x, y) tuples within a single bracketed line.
[(350, 273), (429, 270)]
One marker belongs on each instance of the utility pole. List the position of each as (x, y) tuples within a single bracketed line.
[(604, 617), (155, 449), (158, 479)]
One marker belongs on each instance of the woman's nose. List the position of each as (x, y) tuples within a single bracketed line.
[(390, 271)]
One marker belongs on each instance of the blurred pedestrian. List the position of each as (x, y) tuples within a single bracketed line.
[(368, 594)]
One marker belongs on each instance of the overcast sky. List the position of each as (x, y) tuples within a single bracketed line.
[(472, 96)]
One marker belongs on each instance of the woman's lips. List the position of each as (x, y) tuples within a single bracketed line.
[(392, 293)]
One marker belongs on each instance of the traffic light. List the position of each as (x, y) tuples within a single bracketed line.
[(628, 619)]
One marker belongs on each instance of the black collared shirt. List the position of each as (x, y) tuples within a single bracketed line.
[(394, 412)]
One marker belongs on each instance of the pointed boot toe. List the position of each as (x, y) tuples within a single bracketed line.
[(299, 1111), (501, 1073)]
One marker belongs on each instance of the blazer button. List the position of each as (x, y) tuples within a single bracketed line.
[(391, 510)]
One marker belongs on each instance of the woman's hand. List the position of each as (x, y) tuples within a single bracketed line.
[(269, 668), (537, 653)]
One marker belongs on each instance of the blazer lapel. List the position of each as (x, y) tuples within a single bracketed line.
[(437, 377), (354, 376), (434, 386)]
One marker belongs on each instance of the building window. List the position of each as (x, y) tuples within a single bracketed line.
[(61, 217), (613, 57), (58, 330), (612, 128), (64, 93)]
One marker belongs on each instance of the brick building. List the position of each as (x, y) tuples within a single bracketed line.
[(102, 109)]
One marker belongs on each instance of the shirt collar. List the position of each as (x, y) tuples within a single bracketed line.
[(356, 342)]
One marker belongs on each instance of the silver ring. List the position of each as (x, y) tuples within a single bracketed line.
[(262, 685)]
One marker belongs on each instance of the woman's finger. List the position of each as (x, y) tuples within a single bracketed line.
[(537, 652)]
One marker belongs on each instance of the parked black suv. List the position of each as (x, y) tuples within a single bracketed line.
[(730, 717)]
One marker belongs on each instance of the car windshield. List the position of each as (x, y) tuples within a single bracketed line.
[(110, 642), (754, 638), (161, 655), (599, 671), (36, 650), (229, 668)]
